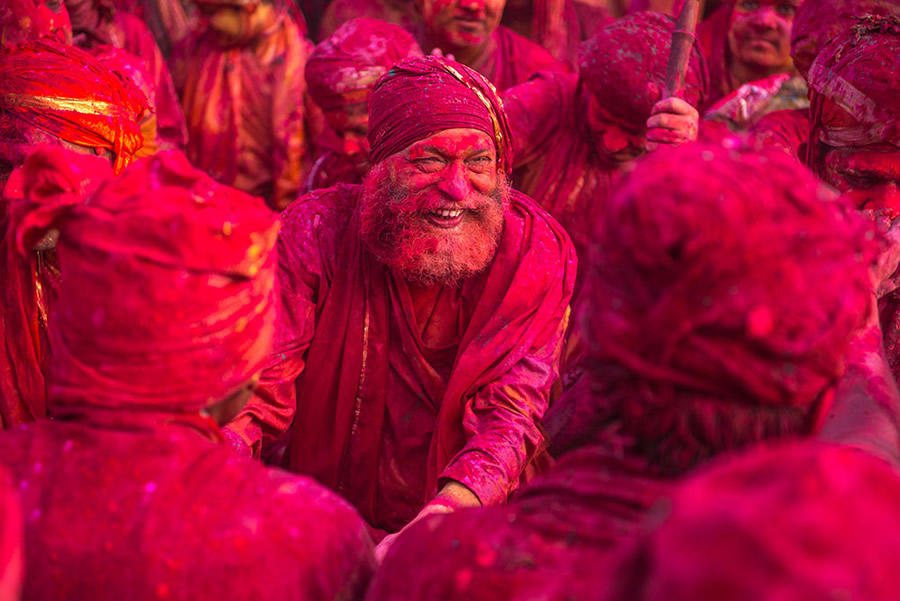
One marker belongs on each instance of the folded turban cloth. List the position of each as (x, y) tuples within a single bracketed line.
[(624, 68), (354, 57), (166, 292), (69, 95), (798, 522), (420, 97), (817, 21), (854, 86), (23, 20), (724, 284)]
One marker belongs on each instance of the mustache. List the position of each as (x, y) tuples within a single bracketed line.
[(402, 203)]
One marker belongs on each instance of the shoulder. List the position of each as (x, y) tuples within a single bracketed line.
[(471, 554), (544, 89), (534, 56), (281, 532), (539, 233), (320, 217)]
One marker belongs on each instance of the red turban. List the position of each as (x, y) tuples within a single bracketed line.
[(67, 94), (420, 97), (725, 287), (800, 522), (166, 296), (624, 68), (24, 20), (817, 21), (853, 88), (354, 57)]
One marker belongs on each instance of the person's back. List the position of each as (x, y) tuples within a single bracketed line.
[(167, 513), (165, 316)]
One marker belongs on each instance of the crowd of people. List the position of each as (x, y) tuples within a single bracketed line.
[(394, 300)]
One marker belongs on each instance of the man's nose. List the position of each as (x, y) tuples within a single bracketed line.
[(765, 17), (455, 182)]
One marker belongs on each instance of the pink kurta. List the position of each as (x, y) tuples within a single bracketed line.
[(411, 387)]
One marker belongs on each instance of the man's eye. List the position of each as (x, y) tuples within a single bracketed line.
[(482, 161), (748, 5), (428, 163), (787, 10)]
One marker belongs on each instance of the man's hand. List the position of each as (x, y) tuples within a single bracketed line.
[(453, 496), (672, 121)]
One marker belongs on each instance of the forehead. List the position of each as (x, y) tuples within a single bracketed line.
[(453, 142)]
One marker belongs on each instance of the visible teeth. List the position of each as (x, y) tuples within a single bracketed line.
[(448, 213)]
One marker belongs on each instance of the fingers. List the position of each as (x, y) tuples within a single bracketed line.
[(674, 105), (673, 121)]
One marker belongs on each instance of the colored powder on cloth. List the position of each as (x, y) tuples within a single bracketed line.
[(794, 522), (688, 326), (354, 57), (141, 235)]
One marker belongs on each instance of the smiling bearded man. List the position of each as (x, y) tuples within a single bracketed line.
[(422, 312)]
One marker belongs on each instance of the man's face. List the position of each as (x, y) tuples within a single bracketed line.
[(760, 32), (434, 211), (459, 24), (351, 123), (238, 23), (618, 145), (868, 175)]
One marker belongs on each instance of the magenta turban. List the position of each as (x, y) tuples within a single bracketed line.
[(420, 97)]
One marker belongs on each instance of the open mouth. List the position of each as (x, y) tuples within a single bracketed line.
[(445, 218)]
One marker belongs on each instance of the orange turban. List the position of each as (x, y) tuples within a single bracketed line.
[(66, 93)]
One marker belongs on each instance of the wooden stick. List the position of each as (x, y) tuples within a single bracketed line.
[(682, 43)]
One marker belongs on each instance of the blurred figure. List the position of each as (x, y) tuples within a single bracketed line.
[(747, 41), (816, 22), (470, 32), (165, 315), (575, 133), (27, 20), (714, 323), (96, 22), (800, 522), (558, 26), (398, 12), (49, 93), (854, 140), (242, 89), (341, 73)]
